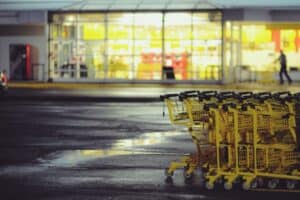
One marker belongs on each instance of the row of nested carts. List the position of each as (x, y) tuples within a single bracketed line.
[(247, 138)]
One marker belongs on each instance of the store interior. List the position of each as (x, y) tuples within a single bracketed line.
[(137, 46)]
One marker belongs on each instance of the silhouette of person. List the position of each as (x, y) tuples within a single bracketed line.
[(283, 66)]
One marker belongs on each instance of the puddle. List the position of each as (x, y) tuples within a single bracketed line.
[(134, 146), (145, 140)]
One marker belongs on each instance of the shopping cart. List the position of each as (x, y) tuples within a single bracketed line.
[(176, 109), (186, 109), (178, 116), (223, 137), (240, 137), (198, 130)]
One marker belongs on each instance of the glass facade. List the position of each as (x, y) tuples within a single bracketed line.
[(135, 46), (251, 49)]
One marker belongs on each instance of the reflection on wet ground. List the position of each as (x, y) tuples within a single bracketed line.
[(146, 139), (134, 146)]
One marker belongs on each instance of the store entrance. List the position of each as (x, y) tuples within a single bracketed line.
[(20, 62), (254, 47)]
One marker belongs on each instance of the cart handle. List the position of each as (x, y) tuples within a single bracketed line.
[(262, 96), (167, 96), (207, 95), (281, 94), (244, 95), (189, 92), (226, 95), (182, 97), (186, 94)]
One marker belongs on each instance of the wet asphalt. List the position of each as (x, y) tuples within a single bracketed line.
[(97, 150)]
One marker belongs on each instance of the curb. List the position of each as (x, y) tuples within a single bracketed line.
[(81, 99)]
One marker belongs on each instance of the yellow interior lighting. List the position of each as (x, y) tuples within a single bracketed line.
[(93, 31), (256, 34), (288, 38)]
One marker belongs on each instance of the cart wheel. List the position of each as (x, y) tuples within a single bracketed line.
[(237, 180), (260, 182), (291, 184), (209, 185), (169, 180), (246, 186), (272, 184), (254, 184), (205, 170), (204, 174), (228, 185), (185, 168), (188, 176), (168, 174), (219, 181)]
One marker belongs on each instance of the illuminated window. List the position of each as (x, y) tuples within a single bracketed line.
[(206, 46), (175, 22), (288, 38), (93, 57), (125, 45), (120, 45), (92, 31), (178, 43), (120, 26), (119, 66), (148, 46)]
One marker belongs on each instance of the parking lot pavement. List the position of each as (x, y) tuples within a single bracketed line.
[(58, 150)]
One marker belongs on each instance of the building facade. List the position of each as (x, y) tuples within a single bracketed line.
[(207, 46)]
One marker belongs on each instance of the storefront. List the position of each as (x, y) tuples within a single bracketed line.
[(135, 46), (252, 49), (199, 46)]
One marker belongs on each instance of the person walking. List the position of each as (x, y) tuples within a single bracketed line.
[(283, 68)]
